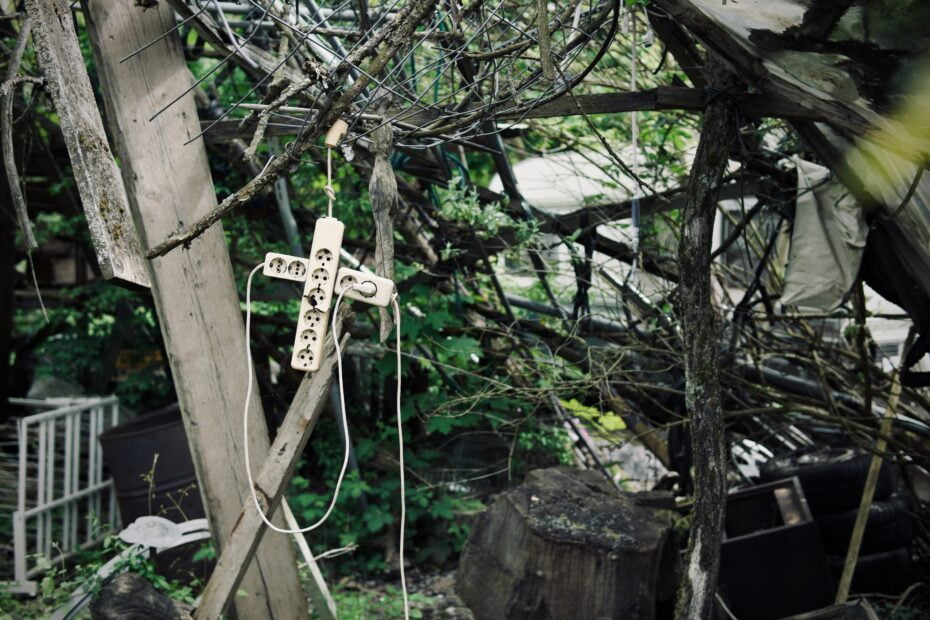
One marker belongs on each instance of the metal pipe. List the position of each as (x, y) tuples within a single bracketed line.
[(541, 308)]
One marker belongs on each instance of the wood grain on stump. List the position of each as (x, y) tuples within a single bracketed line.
[(565, 544)]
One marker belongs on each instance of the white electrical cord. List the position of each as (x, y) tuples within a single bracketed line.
[(345, 426), (328, 188), (400, 444)]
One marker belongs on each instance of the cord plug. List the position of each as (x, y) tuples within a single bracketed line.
[(364, 287)]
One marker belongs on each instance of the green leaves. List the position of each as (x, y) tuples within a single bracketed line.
[(607, 422), (376, 517)]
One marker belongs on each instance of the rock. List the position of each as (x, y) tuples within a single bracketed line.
[(565, 545)]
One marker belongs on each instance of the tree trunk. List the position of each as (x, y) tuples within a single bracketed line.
[(699, 330)]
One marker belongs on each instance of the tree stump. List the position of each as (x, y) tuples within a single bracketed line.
[(566, 545), (131, 597)]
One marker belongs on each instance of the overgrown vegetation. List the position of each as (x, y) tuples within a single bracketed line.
[(516, 319)]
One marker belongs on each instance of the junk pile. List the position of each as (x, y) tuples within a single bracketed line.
[(567, 544)]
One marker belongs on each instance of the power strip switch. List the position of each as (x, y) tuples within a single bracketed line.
[(318, 294), (365, 287)]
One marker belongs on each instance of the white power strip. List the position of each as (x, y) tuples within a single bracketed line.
[(285, 267), (365, 287), (323, 280), (319, 279)]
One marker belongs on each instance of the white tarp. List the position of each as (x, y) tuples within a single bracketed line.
[(827, 242)]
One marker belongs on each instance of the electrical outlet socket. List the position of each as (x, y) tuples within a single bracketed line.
[(285, 267), (372, 289), (318, 294), (308, 343)]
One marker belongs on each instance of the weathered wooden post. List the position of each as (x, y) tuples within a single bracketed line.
[(169, 185), (699, 332)]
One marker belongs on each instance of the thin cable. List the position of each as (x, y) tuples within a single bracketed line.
[(345, 426), (245, 417), (400, 442)]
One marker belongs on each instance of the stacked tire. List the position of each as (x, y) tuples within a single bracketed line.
[(833, 479)]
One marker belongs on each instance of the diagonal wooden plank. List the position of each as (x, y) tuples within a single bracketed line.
[(270, 483), (96, 174), (319, 592)]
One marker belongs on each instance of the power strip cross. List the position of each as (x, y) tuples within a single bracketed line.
[(323, 279)]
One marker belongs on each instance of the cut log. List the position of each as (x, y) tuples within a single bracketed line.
[(132, 597), (566, 544)]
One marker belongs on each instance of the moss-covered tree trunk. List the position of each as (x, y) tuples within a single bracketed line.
[(699, 330)]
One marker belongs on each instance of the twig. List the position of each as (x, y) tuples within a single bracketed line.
[(35, 282), (861, 345), (9, 157), (545, 45), (6, 126), (395, 34), (739, 228)]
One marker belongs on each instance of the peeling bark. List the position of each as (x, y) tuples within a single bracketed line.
[(699, 328), (382, 190)]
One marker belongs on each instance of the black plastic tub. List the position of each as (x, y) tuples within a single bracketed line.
[(165, 486), (151, 466)]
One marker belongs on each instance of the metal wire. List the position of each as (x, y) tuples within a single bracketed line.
[(463, 67)]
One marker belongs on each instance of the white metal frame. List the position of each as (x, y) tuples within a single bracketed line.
[(60, 470)]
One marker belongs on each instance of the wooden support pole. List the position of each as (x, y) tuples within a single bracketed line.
[(270, 483), (169, 184), (699, 335)]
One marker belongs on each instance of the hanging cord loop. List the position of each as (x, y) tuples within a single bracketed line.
[(328, 188)]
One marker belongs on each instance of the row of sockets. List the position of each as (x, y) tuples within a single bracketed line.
[(318, 292), (354, 284)]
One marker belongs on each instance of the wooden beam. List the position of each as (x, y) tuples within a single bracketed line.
[(661, 98), (96, 174), (195, 294), (270, 483), (752, 71)]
